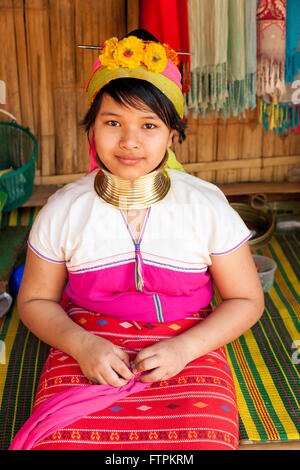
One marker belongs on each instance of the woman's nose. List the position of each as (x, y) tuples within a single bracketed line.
[(129, 139)]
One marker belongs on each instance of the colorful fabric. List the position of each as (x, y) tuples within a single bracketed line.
[(278, 41), (195, 409), (271, 28), (223, 61), (292, 46), (165, 275), (168, 21), (280, 117)]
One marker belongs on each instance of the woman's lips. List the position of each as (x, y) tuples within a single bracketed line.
[(129, 160)]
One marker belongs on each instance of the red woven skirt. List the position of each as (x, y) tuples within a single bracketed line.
[(195, 409)]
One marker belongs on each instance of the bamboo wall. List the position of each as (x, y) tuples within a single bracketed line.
[(46, 74)]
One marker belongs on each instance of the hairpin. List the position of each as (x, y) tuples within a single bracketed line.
[(82, 46)]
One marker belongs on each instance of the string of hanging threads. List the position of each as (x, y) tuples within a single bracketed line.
[(279, 117)]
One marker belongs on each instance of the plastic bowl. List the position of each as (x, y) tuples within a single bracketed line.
[(5, 303), (266, 268)]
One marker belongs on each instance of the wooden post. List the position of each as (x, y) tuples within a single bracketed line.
[(132, 15), (23, 71), (8, 63), (38, 36), (62, 19)]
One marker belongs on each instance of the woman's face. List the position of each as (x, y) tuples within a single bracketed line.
[(130, 142)]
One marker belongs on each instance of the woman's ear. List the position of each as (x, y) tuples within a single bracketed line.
[(170, 141)]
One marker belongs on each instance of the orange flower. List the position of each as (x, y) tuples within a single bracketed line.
[(171, 54)]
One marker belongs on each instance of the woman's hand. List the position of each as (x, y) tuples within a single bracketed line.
[(163, 360), (102, 362)]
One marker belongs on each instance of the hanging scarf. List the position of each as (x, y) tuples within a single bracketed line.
[(168, 21), (223, 61), (280, 116), (292, 47), (278, 40), (271, 21)]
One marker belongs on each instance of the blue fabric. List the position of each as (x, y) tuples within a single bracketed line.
[(292, 60)]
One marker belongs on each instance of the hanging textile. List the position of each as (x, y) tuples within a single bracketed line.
[(167, 20), (280, 116), (292, 49), (223, 62), (271, 23), (278, 40)]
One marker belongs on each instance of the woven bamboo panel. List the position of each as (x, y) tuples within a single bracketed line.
[(46, 75), (237, 150)]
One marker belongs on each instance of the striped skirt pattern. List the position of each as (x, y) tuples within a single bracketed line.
[(196, 409)]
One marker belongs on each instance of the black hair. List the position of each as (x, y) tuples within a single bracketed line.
[(137, 93)]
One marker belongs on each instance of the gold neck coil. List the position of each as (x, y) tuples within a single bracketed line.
[(140, 193)]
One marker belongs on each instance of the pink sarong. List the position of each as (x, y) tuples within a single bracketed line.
[(68, 406)]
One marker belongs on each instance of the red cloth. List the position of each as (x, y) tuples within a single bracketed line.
[(167, 20), (196, 409)]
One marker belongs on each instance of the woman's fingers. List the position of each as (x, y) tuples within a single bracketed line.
[(121, 368), (115, 373), (154, 375), (122, 355), (114, 379), (147, 364)]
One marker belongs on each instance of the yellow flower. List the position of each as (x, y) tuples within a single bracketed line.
[(129, 52), (155, 57), (106, 55)]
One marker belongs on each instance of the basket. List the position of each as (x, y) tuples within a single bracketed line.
[(3, 198), (260, 221), (18, 150)]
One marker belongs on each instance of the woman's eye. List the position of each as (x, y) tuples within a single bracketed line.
[(113, 123), (149, 126)]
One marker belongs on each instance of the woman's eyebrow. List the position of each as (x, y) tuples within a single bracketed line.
[(110, 113)]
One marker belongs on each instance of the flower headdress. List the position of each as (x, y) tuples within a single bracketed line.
[(132, 57)]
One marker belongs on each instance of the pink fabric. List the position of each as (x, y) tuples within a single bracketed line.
[(92, 150), (66, 407), (112, 292), (171, 71)]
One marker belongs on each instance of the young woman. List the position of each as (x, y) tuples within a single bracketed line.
[(120, 269)]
